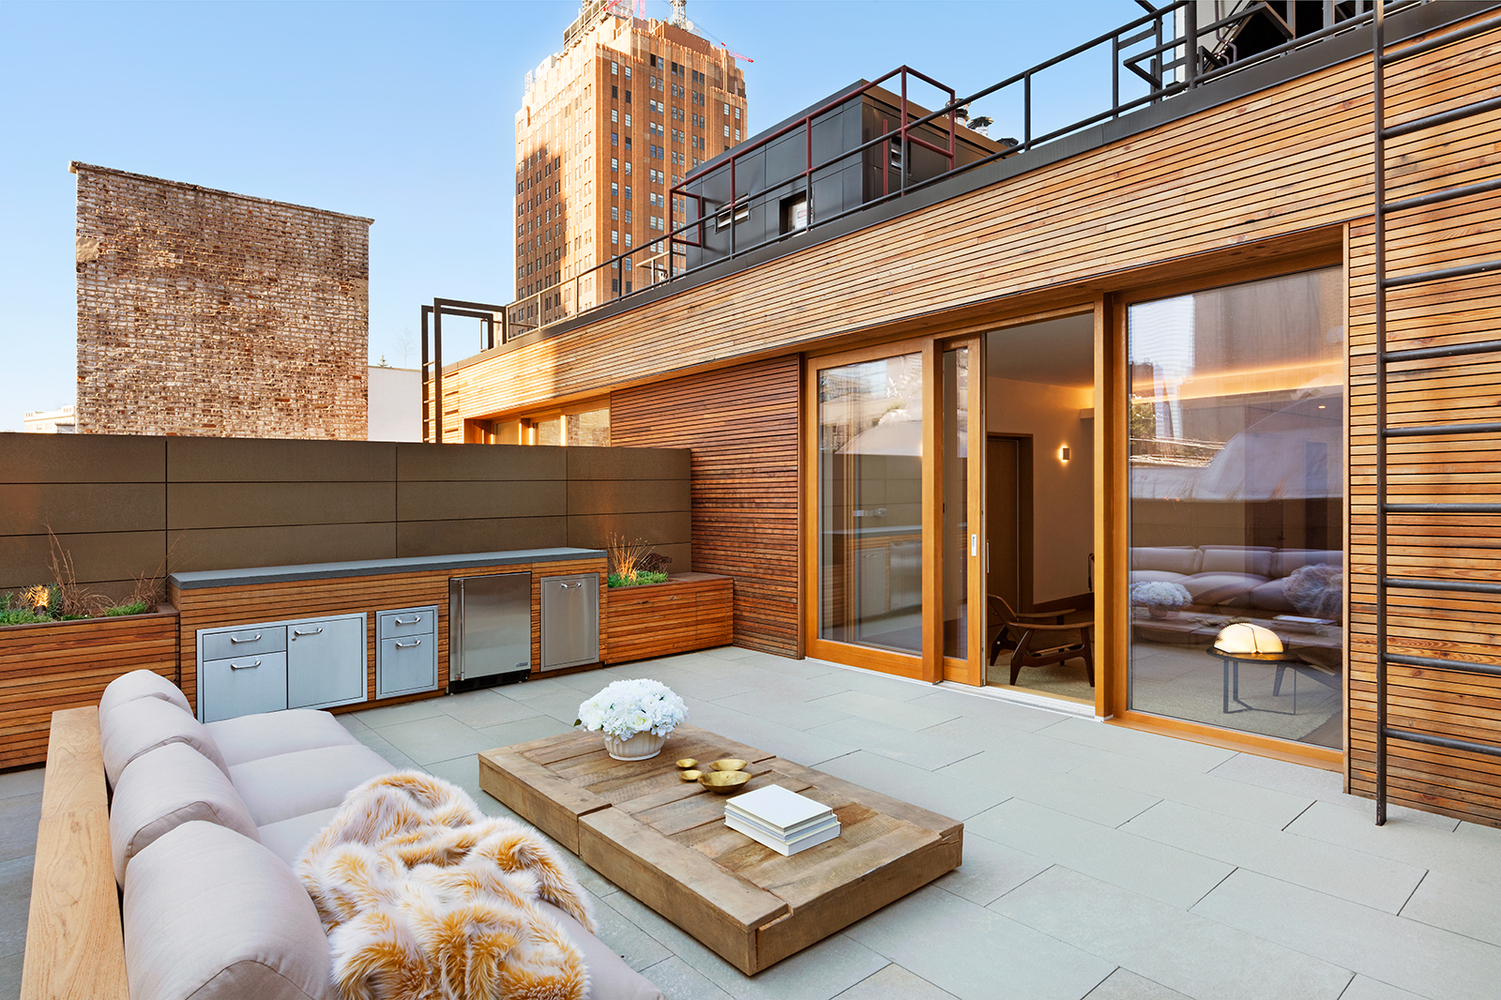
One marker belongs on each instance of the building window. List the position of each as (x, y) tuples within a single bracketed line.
[(726, 131), (627, 97), (615, 236), (627, 120), (614, 211), (627, 192), (614, 115), (627, 239), (615, 190), (627, 72), (737, 114), (614, 68), (614, 163), (614, 138), (614, 92), (627, 216), (737, 135)]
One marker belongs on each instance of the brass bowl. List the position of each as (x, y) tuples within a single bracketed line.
[(728, 764), (724, 782), (687, 762), (690, 774)]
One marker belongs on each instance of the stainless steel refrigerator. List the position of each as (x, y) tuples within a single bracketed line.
[(489, 629)]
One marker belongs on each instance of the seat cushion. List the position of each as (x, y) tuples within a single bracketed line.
[(212, 915), (141, 684), (136, 727), (304, 781), (1180, 559), (1270, 596), (1254, 560), (250, 737), (609, 977), (1224, 589), (164, 788), (288, 837)]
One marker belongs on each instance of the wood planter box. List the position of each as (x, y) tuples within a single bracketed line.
[(690, 611), (54, 665)]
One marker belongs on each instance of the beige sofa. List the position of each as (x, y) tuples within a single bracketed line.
[(204, 825), (1240, 579)]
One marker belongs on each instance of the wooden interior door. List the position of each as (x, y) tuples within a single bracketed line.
[(1003, 518)]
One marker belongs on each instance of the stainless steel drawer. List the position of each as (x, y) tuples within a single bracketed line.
[(243, 685), (406, 664), (409, 621), (236, 642)]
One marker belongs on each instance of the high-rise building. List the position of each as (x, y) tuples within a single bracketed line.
[(607, 127)]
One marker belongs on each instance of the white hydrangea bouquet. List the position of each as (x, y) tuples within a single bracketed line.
[(635, 717), (1160, 597)]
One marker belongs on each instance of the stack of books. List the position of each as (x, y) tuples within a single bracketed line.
[(784, 821)]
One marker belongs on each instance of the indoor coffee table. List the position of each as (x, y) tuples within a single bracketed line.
[(663, 840)]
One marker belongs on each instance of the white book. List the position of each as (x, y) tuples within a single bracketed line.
[(786, 848), (777, 807), (802, 830)]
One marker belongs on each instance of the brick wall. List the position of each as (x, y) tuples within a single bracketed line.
[(208, 313)]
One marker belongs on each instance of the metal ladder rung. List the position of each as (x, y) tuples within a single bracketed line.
[(1442, 118), (1438, 197), (1433, 663), (1433, 430), (1442, 274), (1479, 28), (1446, 742), (1455, 586), (1448, 351)]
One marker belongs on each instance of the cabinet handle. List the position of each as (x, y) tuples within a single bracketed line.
[(408, 645), (235, 640), (316, 631), (245, 666), (414, 621)]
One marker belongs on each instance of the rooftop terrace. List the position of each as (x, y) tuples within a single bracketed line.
[(1100, 862)]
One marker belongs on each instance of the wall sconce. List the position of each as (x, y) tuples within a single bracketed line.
[(1063, 454)]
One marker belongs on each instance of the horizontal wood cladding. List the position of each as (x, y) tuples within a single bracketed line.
[(215, 607), (741, 425), (1442, 469), (51, 666), (688, 612)]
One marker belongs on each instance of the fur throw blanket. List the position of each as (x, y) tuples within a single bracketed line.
[(425, 898)]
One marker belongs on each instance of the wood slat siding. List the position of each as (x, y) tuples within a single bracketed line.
[(1183, 199), (688, 612), (1459, 468), (215, 607), (741, 424), (48, 667)]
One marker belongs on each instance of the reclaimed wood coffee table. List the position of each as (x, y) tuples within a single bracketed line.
[(663, 840)]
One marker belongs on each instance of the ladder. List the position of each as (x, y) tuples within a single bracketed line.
[(1382, 59)]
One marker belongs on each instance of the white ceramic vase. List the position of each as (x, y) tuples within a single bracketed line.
[(641, 746)]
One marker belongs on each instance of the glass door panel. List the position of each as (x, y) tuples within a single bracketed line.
[(870, 428), (956, 547)]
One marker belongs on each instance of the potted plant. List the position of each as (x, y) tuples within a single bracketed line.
[(632, 564), (635, 716), (1161, 598)]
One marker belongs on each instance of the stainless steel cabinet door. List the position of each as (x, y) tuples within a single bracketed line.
[(243, 685), (570, 620), (325, 661)]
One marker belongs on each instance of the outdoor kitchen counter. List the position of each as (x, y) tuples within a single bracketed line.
[(464, 561)]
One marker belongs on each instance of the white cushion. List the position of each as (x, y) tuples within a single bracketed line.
[(609, 977), (288, 837), (161, 790), (290, 784), (141, 684), (250, 737), (135, 727), (213, 916)]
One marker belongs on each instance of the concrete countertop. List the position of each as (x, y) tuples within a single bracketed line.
[(374, 567)]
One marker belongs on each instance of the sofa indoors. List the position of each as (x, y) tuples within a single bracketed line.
[(205, 825), (1248, 579)]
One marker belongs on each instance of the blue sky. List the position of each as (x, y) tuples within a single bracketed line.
[(402, 112)]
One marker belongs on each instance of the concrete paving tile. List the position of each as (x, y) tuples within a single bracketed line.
[(680, 981), (1003, 778), (1124, 984), (1361, 878), (1135, 743), (27, 782), (788, 709), (351, 721), (895, 983), (1163, 872), (731, 652), (393, 715), (1457, 904), (1225, 796), (989, 871), (10, 977), (1314, 783), (1464, 852), (818, 972), (763, 734), (375, 741), (1023, 746), (438, 738), (15, 903), (880, 708), (976, 953), (485, 707), (943, 793), (1191, 954), (639, 949), (1403, 953), (967, 703), (871, 682), (19, 816), (1366, 988), (924, 749), (694, 684), (807, 667), (522, 731), (558, 701)]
